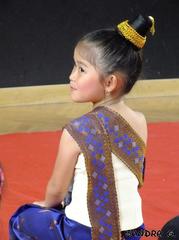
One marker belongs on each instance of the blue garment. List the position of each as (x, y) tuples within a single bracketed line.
[(31, 221)]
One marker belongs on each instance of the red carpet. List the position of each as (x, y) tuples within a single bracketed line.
[(28, 160)]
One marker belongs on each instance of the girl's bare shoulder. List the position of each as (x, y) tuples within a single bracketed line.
[(139, 122)]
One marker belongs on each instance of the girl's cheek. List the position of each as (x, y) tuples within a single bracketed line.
[(83, 87), (88, 86)]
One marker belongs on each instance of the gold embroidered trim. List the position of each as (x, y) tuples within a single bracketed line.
[(131, 34)]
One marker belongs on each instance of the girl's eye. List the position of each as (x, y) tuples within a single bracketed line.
[(81, 69)]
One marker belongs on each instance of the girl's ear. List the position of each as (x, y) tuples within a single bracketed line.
[(114, 82)]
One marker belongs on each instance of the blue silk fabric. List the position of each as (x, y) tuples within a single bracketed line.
[(33, 222)]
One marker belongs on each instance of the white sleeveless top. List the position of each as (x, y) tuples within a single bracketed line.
[(129, 201)]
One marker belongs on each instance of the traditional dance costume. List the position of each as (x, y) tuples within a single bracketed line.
[(105, 202)]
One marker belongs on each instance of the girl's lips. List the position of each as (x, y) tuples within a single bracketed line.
[(73, 88)]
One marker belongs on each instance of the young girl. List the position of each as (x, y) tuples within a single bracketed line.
[(101, 153)]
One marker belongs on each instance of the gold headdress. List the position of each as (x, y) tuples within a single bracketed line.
[(132, 35)]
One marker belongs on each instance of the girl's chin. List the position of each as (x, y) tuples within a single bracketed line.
[(79, 100)]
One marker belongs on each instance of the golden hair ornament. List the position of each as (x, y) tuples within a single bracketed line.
[(132, 35), (152, 29)]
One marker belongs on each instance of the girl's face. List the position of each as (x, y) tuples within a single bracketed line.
[(85, 82)]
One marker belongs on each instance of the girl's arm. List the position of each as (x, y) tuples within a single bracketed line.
[(63, 171)]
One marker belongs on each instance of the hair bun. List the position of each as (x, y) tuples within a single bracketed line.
[(136, 30)]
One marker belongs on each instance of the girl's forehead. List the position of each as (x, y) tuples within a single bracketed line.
[(84, 52), (78, 53)]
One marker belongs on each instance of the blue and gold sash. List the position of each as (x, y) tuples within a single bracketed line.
[(99, 133)]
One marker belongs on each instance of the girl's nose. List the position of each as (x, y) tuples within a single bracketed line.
[(72, 75)]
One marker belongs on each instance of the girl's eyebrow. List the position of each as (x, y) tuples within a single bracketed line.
[(82, 63)]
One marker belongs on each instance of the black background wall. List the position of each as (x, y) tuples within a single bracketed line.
[(37, 37)]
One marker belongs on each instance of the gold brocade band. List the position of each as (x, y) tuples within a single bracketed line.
[(131, 34)]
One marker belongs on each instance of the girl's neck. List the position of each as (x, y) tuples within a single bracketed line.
[(113, 102)]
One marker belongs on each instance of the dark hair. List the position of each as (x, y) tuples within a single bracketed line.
[(113, 53), (170, 230)]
